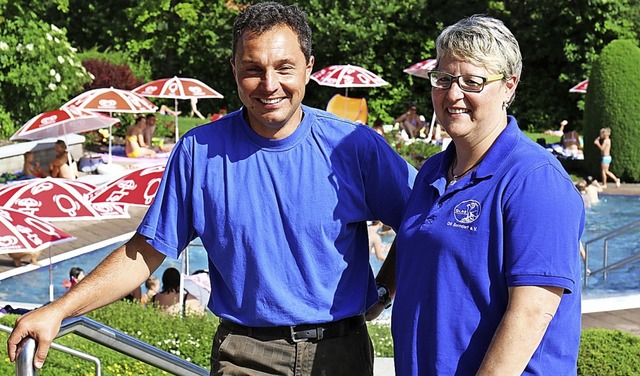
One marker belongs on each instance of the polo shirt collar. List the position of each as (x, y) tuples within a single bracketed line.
[(495, 156)]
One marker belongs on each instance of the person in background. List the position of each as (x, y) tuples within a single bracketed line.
[(410, 121), (149, 129), (134, 146), (168, 300), (378, 127), (152, 284), (488, 277), (376, 246), (165, 110), (299, 291), (194, 109), (31, 168), (570, 141), (560, 131), (76, 274), (60, 166), (593, 189), (604, 144)]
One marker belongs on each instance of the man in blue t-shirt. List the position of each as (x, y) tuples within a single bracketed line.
[(279, 193)]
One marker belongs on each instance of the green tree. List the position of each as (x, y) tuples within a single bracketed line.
[(190, 38), (559, 42), (39, 69), (612, 101)]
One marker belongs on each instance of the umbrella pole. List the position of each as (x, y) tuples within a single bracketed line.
[(175, 106), (110, 137), (183, 268), (50, 277)]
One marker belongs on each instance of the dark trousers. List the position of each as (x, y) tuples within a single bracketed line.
[(239, 354)]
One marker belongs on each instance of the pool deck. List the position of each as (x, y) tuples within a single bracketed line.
[(612, 314)]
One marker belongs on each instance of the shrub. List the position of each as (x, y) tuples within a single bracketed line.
[(7, 127), (609, 352), (39, 70), (107, 74), (613, 101), (602, 351)]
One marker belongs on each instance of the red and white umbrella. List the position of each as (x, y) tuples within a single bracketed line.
[(111, 100), (60, 122), (24, 233), (422, 68), (138, 187), (346, 76), (580, 88), (57, 200), (177, 88)]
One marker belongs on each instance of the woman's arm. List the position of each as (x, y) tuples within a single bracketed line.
[(529, 312)]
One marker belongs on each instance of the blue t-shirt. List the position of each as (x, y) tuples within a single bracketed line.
[(283, 221), (514, 221)]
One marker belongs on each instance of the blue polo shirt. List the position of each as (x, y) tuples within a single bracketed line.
[(514, 221), (283, 221)]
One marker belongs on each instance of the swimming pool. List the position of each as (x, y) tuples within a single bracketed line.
[(612, 212)]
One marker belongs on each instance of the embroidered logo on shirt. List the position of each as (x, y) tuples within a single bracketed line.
[(467, 211)]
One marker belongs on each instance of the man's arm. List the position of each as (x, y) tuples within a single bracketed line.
[(123, 270), (386, 276), (529, 312)]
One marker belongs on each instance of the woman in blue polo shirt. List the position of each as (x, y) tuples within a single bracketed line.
[(488, 279)]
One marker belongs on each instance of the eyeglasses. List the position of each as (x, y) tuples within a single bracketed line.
[(467, 82)]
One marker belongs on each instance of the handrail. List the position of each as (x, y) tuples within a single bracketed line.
[(130, 346), (622, 230), (618, 264), (24, 360)]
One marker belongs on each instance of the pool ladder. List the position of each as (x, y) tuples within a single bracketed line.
[(111, 338), (606, 267)]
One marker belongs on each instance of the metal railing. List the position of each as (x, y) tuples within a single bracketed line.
[(623, 230), (115, 340), (24, 361)]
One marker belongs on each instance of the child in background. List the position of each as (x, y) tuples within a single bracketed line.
[(31, 168), (604, 144)]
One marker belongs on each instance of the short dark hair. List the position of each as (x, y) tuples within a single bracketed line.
[(149, 116), (262, 17), (75, 272)]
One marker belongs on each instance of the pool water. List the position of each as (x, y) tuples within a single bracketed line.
[(611, 213)]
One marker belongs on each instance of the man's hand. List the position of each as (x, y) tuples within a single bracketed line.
[(374, 311), (43, 325)]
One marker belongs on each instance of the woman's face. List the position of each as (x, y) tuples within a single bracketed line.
[(471, 116)]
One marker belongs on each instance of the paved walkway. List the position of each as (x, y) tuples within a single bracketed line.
[(91, 232)]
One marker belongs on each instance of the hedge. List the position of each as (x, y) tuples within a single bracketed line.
[(603, 352)]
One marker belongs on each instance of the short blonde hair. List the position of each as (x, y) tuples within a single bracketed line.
[(605, 131), (483, 41)]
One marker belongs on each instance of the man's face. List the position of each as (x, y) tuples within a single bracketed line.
[(151, 121), (271, 74)]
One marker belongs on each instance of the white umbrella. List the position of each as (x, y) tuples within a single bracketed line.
[(177, 88), (24, 233), (422, 68), (580, 88), (111, 100), (60, 122), (346, 76)]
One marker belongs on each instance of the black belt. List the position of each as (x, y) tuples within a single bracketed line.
[(298, 333)]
